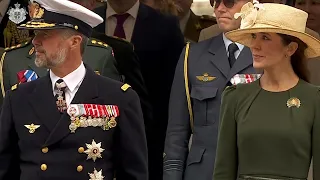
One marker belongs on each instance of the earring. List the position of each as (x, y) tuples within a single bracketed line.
[(286, 56)]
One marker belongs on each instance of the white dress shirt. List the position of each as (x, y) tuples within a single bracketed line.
[(227, 42), (73, 81), (128, 25), (4, 4)]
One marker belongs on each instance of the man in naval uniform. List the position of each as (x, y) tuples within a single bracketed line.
[(123, 66), (71, 123)]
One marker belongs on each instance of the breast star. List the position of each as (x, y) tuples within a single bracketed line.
[(96, 175), (94, 150)]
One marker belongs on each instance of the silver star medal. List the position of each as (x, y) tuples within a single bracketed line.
[(96, 175), (17, 14), (94, 150)]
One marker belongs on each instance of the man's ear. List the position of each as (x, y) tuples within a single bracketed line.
[(75, 42)]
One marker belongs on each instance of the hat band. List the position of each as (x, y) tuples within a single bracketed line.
[(262, 23), (68, 22)]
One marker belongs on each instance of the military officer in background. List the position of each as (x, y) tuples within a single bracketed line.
[(13, 13), (128, 63), (18, 63), (190, 23), (203, 72), (71, 123)]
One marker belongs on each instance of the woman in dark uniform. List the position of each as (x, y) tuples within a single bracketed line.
[(270, 129)]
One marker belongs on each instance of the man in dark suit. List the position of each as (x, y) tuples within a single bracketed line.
[(9, 34), (212, 65), (72, 123), (158, 42)]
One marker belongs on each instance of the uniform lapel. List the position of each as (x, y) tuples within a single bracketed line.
[(43, 103), (243, 61), (220, 59), (87, 93)]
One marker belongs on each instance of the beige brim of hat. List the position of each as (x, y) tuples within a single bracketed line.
[(243, 36)]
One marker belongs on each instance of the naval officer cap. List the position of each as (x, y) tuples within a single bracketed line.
[(60, 14)]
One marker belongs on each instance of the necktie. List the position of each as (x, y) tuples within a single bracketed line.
[(232, 48), (60, 96), (119, 31)]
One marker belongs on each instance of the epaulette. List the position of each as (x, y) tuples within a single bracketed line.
[(208, 17), (18, 46), (14, 87), (98, 43), (125, 87)]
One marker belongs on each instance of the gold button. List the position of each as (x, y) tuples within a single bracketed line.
[(79, 168), (44, 167), (45, 149), (81, 150)]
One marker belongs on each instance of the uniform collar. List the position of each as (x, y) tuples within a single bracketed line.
[(227, 42), (72, 80), (133, 11)]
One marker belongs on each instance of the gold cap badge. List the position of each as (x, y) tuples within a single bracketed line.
[(36, 12)]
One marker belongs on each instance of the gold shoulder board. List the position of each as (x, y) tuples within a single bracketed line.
[(14, 87), (125, 87), (96, 42)]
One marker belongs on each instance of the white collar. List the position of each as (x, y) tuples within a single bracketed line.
[(227, 42), (72, 80), (133, 11)]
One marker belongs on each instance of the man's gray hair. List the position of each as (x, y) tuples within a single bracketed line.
[(70, 32)]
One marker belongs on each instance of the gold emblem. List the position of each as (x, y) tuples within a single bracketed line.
[(97, 72), (94, 150), (198, 26), (293, 102), (205, 77), (32, 128), (112, 123), (36, 12), (96, 175), (125, 87), (14, 87), (31, 51)]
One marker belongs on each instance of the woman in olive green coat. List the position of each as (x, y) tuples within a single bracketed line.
[(270, 129)]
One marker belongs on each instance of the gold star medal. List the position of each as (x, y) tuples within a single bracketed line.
[(32, 128), (94, 150), (96, 175), (293, 102)]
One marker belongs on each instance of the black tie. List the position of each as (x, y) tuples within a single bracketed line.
[(232, 49), (60, 96)]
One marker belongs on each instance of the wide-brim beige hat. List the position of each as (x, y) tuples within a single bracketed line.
[(274, 18)]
